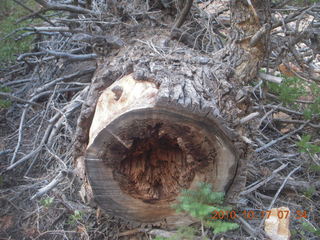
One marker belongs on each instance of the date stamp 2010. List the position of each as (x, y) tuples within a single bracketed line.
[(258, 214)]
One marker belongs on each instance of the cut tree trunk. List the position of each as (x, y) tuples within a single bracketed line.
[(161, 117)]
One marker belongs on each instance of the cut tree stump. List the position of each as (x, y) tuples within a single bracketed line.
[(152, 131), (142, 152), (160, 117)]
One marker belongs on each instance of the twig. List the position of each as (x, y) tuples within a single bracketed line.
[(73, 57), (183, 14), (278, 192), (265, 116), (129, 232), (259, 34), (24, 55), (52, 184), (17, 99), (23, 116), (289, 18), (18, 81), (35, 13), (64, 78), (281, 108), (247, 227), (270, 78), (25, 158), (47, 133), (56, 156), (281, 138), (249, 117), (251, 189), (64, 7), (6, 152)]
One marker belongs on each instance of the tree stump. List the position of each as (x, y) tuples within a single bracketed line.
[(161, 117)]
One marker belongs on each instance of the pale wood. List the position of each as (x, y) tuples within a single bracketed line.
[(276, 225)]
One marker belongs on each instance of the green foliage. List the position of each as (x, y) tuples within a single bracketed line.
[(314, 168), (201, 202), (289, 90), (309, 192), (314, 108), (10, 12), (75, 217), (198, 203), (305, 230), (305, 145), (46, 202), (307, 226), (5, 89), (5, 103), (221, 226)]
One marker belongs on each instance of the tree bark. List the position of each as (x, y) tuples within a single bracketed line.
[(160, 117)]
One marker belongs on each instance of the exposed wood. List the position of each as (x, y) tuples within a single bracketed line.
[(183, 14), (142, 152), (168, 122)]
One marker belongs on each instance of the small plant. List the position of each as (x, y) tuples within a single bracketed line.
[(289, 90), (200, 203), (306, 146), (314, 168), (75, 217), (10, 13), (46, 202), (5, 103), (309, 192), (308, 229), (314, 108)]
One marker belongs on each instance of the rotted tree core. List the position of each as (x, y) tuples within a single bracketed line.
[(162, 160), (139, 163), (157, 167)]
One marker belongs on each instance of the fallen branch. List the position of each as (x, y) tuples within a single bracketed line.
[(73, 57), (63, 79), (52, 184), (17, 99), (34, 13), (247, 227), (64, 7), (249, 117), (278, 192), (281, 138), (261, 183), (270, 78), (69, 108), (23, 116)]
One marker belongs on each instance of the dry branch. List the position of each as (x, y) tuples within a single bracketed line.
[(64, 7), (281, 138), (52, 184), (34, 13), (72, 57)]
